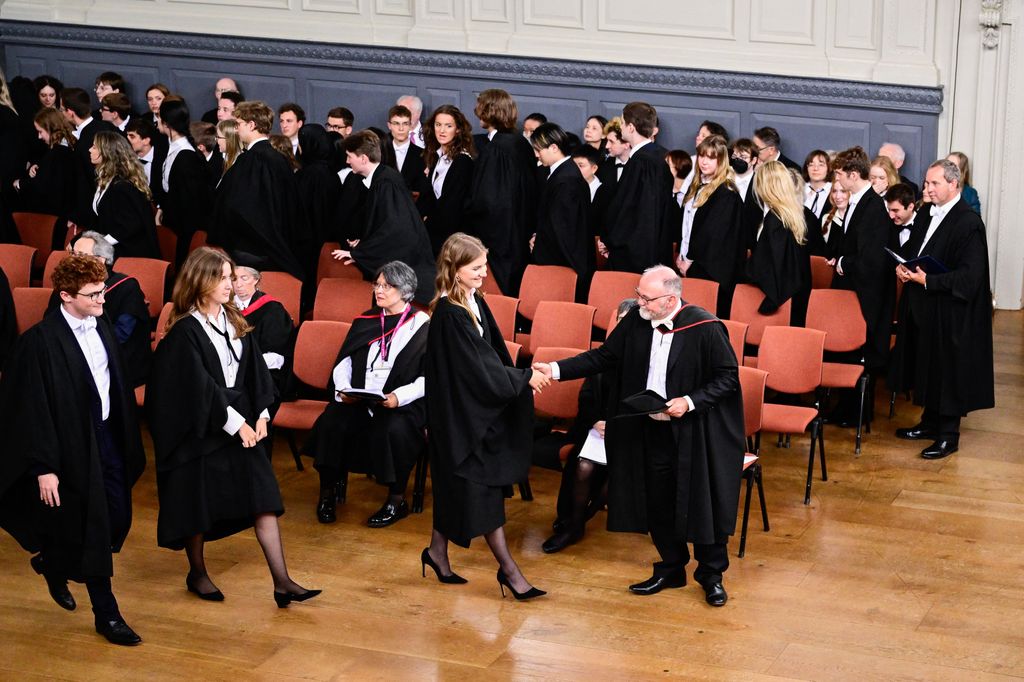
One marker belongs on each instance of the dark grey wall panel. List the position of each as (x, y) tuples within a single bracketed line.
[(808, 112)]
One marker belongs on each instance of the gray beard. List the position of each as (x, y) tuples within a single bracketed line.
[(646, 314)]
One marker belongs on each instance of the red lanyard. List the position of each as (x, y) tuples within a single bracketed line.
[(386, 338)]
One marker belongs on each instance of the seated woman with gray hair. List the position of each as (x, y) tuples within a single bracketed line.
[(375, 423), (272, 326)]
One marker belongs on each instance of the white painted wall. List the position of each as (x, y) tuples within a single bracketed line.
[(917, 42)]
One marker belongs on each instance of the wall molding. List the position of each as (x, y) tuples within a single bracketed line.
[(827, 91)]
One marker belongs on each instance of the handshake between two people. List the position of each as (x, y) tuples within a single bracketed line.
[(676, 407)]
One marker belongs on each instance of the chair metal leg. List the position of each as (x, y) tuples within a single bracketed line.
[(525, 491), (759, 478), (810, 462), (788, 440), (821, 450), (420, 482), (295, 449), (860, 415), (749, 475), (892, 404)]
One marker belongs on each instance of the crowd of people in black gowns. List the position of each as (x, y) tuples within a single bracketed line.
[(425, 211)]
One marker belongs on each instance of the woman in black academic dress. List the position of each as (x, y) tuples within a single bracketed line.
[(479, 417), (780, 264), (449, 154), (563, 216), (52, 184), (122, 200), (272, 328), (207, 401), (711, 241), (188, 197)]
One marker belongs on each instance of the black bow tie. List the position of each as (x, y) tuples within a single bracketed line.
[(143, 161), (620, 163)]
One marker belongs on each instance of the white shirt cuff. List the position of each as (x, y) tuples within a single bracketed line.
[(234, 422), (555, 372), (273, 360), (110, 239), (689, 403), (265, 414), (410, 392), (839, 266)]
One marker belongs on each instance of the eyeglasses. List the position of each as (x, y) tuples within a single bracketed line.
[(382, 287), (647, 300), (93, 296)]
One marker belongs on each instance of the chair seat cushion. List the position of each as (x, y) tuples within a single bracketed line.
[(840, 375), (299, 414), (787, 418)]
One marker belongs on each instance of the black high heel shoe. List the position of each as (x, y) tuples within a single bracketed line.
[(450, 579), (216, 595), (520, 596), (283, 599)]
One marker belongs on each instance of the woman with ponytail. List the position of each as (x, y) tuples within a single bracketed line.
[(188, 198)]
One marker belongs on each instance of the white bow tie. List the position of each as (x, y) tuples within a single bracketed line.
[(667, 323), (937, 211), (86, 324)]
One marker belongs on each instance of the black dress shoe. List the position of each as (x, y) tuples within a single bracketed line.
[(388, 514), (559, 526), (715, 595), (943, 447), (559, 541), (58, 587), (190, 585), (326, 508), (916, 432), (656, 584), (118, 632)]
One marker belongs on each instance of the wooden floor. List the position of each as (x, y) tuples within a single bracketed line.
[(899, 569)]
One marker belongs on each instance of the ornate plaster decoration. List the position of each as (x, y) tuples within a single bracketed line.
[(990, 18)]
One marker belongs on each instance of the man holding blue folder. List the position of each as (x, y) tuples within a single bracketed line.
[(943, 349)]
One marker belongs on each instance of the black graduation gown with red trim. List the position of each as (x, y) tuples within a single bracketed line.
[(346, 437), (479, 417), (47, 396), (274, 332), (710, 438)]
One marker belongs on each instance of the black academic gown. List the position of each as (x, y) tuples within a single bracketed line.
[(48, 404), (56, 187), (480, 421), (84, 215), (156, 173), (257, 216), (189, 200), (274, 332), (781, 269), (637, 230), (207, 481), (319, 188), (716, 243), (350, 215), (8, 319), (502, 207), (413, 169), (709, 439), (868, 270), (445, 215), (943, 348), (752, 214), (817, 245), (346, 437), (125, 214), (394, 231), (563, 225)]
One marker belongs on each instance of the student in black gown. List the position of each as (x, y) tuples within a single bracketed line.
[(824, 240), (780, 264), (53, 183), (319, 187), (588, 160), (257, 215), (563, 214), (8, 319), (77, 109), (449, 155), (12, 144), (121, 204), (72, 446), (503, 208), (207, 402), (383, 353), (228, 144), (272, 328), (393, 227), (480, 418), (188, 199), (817, 174), (711, 244)]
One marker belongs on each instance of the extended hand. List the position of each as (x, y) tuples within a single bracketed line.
[(347, 399), (344, 256), (533, 241), (48, 490), (544, 368), (599, 427), (677, 407), (248, 436), (261, 429), (539, 381)]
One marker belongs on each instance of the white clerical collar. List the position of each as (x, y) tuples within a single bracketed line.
[(78, 324), (633, 150), (369, 176), (667, 321)]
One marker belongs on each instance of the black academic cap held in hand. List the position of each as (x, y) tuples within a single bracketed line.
[(641, 404)]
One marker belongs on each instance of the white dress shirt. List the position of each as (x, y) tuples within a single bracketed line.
[(440, 171), (369, 176), (638, 147), (273, 360), (378, 370), (556, 164), (815, 199), (124, 124), (77, 132), (173, 149), (689, 211), (416, 135), (95, 356), (400, 153), (743, 183), (904, 234), (937, 213), (594, 185), (228, 364), (854, 200), (147, 164)]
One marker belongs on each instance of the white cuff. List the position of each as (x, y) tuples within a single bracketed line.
[(265, 414), (234, 422), (273, 360), (689, 403), (410, 392), (555, 372), (839, 266), (110, 239)]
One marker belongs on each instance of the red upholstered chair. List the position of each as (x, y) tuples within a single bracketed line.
[(342, 299), (151, 275), (607, 290), (51, 263), (558, 324), (167, 242), (737, 337), (545, 283), (821, 273), (745, 302), (752, 383), (490, 287), (335, 269), (837, 313), (513, 350), (161, 324), (30, 305), (284, 287), (792, 356), (36, 230), (316, 348), (504, 309), (560, 400), (702, 292), (198, 239), (16, 262)]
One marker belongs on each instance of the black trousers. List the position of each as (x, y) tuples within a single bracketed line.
[(944, 426), (660, 464)]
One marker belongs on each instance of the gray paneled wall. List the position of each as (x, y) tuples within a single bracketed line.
[(808, 113)]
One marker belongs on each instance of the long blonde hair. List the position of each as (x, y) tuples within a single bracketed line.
[(118, 160), (228, 128), (5, 93), (458, 251), (200, 275), (774, 185), (713, 147)]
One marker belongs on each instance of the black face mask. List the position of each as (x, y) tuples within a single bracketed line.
[(739, 165)]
